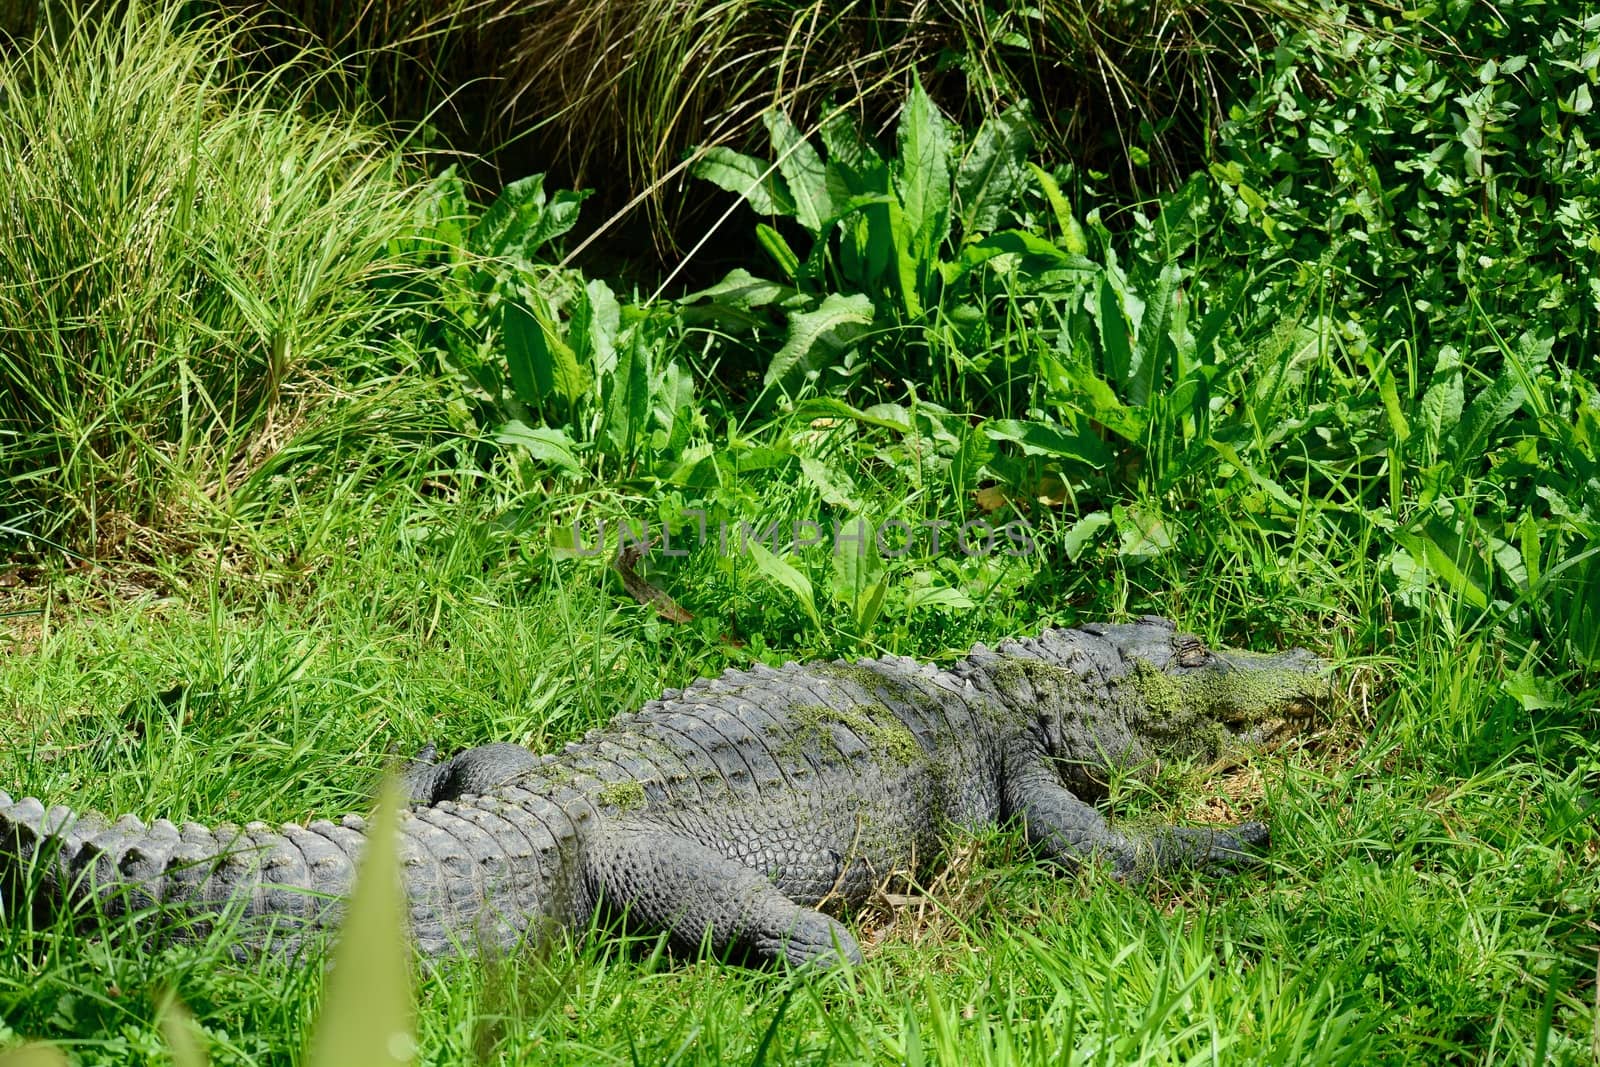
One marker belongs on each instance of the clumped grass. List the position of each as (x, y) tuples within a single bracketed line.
[(613, 93), (188, 264)]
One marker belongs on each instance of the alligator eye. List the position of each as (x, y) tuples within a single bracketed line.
[(1191, 653)]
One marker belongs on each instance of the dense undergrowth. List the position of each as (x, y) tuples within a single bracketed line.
[(300, 436)]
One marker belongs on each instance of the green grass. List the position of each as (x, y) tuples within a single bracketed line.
[(1428, 898)]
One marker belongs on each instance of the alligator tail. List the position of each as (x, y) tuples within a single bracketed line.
[(474, 873), (178, 877)]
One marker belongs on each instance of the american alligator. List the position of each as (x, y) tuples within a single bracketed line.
[(728, 812)]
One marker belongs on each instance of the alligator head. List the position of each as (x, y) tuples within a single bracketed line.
[(1195, 702), (1165, 695)]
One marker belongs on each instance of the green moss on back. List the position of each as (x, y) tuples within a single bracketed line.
[(892, 742), (624, 796)]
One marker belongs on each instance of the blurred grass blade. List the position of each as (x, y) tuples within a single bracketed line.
[(181, 1034), (366, 1018), (33, 1056)]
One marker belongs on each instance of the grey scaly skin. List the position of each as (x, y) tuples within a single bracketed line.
[(727, 811)]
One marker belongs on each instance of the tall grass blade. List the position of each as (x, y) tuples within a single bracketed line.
[(366, 1018)]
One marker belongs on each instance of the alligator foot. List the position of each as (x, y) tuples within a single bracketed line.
[(1173, 847)]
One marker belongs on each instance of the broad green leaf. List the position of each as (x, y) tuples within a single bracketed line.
[(697, 469), (786, 576), (855, 236), (559, 217), (924, 172), (366, 1018), (966, 465), (776, 247), (1043, 439), (885, 416), (1101, 403), (1037, 257), (880, 246), (520, 220), (544, 443), (859, 578), (1436, 559), (1223, 306), (1487, 413), (992, 174), (893, 416), (870, 605), (674, 407), (628, 406), (1580, 607), (1150, 351), (596, 317), (847, 149), (1390, 394), (758, 182), (1507, 558), (1082, 533), (1116, 348), (1531, 692), (1023, 243), (938, 597), (1142, 533), (741, 289), (802, 171), (526, 356), (542, 364), (810, 329), (1528, 543), (1265, 484), (518, 208), (858, 182), (748, 457), (1072, 236), (903, 245), (833, 486), (1184, 213), (446, 213)]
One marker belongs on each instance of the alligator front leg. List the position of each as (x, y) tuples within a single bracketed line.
[(664, 880), (1069, 831)]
